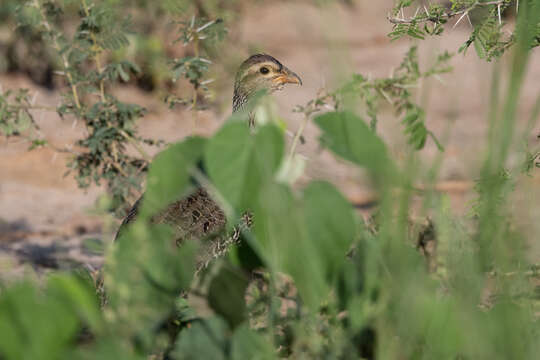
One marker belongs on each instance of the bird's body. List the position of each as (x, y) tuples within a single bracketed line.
[(198, 216), (194, 217)]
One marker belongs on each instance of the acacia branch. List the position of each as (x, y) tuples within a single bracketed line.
[(33, 107), (61, 53), (136, 145), (445, 15), (46, 143), (96, 51)]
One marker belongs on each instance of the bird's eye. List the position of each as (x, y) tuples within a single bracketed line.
[(264, 70)]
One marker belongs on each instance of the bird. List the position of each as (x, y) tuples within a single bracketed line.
[(197, 215)]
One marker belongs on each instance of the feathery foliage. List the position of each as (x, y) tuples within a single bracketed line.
[(489, 37), (86, 65)]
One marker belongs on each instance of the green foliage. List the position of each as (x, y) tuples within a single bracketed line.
[(15, 117), (395, 90), (369, 152), (204, 339), (247, 344), (489, 39), (192, 68), (251, 160), (210, 339), (145, 274), (110, 123), (246, 184), (330, 286), (202, 34), (330, 233), (43, 323), (226, 295), (85, 60), (304, 234)]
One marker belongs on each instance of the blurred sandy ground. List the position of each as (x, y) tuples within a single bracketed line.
[(39, 207)]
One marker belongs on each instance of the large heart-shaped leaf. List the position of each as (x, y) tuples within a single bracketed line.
[(280, 229), (330, 224), (349, 137), (238, 162), (226, 294)]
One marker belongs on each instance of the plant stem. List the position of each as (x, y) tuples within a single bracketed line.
[(196, 51), (96, 51), (62, 54), (297, 136), (136, 145), (33, 107)]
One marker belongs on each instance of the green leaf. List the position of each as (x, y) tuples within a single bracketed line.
[(169, 174), (205, 339), (480, 48), (79, 296), (107, 348), (123, 75), (37, 143), (348, 136), (280, 230), (34, 325), (146, 272), (247, 344), (227, 292), (238, 162), (331, 225), (23, 121)]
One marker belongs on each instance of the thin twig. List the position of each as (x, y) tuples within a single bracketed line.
[(136, 145), (33, 107), (51, 146), (534, 271), (298, 135)]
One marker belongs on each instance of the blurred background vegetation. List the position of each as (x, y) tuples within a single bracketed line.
[(394, 207)]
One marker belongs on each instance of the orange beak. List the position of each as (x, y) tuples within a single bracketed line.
[(287, 77)]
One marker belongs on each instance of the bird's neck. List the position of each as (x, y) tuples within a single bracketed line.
[(241, 97), (239, 100)]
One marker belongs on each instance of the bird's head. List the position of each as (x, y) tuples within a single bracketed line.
[(260, 72)]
